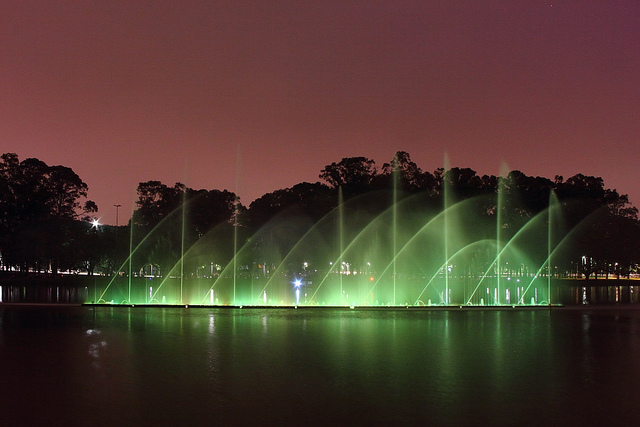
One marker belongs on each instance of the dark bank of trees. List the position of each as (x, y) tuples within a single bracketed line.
[(40, 216), (45, 218)]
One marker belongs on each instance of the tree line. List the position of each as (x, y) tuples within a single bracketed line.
[(45, 217)]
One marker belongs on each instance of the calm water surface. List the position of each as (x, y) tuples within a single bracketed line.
[(173, 366)]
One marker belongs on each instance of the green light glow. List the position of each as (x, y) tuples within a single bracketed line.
[(402, 255)]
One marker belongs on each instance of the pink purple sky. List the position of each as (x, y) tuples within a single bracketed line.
[(254, 96)]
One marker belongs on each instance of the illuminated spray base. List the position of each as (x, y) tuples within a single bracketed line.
[(348, 292)]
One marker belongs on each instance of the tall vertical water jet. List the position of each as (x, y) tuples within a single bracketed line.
[(235, 222), (235, 247), (446, 189), (549, 248), (340, 241), (500, 206), (184, 210), (552, 226), (130, 253), (396, 178)]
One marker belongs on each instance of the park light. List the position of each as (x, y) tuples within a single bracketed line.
[(297, 284)]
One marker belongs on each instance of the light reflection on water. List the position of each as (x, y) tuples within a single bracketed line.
[(153, 366)]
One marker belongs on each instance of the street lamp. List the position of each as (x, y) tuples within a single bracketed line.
[(117, 209)]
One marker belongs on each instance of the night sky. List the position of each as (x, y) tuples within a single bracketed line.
[(254, 96)]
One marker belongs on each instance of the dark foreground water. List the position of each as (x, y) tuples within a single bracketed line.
[(95, 366)]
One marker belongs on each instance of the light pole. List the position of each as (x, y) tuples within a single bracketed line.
[(117, 209)]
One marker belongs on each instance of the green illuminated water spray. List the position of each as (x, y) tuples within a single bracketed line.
[(501, 194), (395, 222), (447, 201), (340, 239), (184, 210), (130, 252)]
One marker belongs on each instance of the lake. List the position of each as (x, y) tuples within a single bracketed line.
[(222, 366)]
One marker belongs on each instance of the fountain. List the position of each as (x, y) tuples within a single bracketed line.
[(377, 249)]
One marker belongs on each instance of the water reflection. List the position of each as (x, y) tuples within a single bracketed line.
[(95, 347), (212, 324), (175, 366)]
